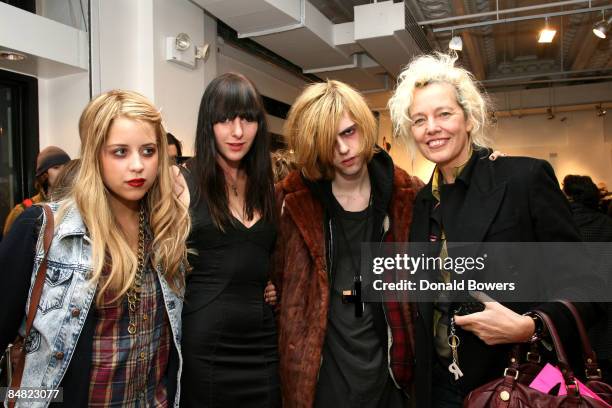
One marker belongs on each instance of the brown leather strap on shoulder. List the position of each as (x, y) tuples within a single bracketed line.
[(42, 270), (36, 293)]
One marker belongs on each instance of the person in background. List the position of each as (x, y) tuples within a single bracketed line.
[(605, 198), (175, 147), (282, 164), (108, 324), (64, 181), (584, 197), (49, 163)]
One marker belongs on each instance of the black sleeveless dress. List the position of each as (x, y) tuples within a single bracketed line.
[(229, 334)]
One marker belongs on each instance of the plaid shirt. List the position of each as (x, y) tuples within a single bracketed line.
[(400, 323), (131, 370)]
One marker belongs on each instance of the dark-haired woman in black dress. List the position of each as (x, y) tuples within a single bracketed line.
[(229, 333)]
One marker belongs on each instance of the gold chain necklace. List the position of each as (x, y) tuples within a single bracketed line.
[(133, 293)]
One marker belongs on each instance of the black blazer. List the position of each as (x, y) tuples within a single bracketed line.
[(512, 199)]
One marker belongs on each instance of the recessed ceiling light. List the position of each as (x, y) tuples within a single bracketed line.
[(11, 56)]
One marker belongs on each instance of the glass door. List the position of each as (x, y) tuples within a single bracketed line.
[(8, 179), (18, 139)]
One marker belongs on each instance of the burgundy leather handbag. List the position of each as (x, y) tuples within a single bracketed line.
[(513, 391)]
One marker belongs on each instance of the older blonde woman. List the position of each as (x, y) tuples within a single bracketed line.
[(438, 109)]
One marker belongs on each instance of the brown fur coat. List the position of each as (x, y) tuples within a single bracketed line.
[(300, 275)]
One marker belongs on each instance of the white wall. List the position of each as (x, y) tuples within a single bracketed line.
[(573, 146), (61, 101), (178, 89), (123, 46), (271, 81)]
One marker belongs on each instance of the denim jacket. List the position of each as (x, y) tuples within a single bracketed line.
[(66, 299)]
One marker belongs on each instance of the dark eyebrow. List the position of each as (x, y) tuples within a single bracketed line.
[(346, 129)]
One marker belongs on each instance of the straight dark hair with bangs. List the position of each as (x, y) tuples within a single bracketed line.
[(229, 96)]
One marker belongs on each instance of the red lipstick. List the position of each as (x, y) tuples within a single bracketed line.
[(138, 182)]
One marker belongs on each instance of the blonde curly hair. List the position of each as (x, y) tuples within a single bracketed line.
[(439, 68)]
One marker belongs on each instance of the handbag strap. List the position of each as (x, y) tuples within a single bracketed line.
[(36, 293), (591, 367), (564, 366)]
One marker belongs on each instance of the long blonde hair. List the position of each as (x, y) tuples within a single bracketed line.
[(168, 217)]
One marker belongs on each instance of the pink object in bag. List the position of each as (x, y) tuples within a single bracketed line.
[(550, 376)]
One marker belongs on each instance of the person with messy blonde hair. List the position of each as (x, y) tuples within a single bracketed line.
[(108, 325), (438, 109), (439, 68), (313, 139), (337, 350)]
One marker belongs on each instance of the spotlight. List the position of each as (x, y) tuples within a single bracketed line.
[(601, 111), (547, 34), (549, 114), (455, 43), (11, 56), (600, 28)]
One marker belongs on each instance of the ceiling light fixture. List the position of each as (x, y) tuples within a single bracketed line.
[(456, 43), (546, 34), (600, 28), (601, 111), (11, 56), (182, 42)]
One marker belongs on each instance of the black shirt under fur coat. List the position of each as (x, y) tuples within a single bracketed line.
[(512, 199)]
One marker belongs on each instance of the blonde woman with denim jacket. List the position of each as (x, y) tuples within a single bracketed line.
[(107, 330)]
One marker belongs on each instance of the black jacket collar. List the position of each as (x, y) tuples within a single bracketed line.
[(484, 195)]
